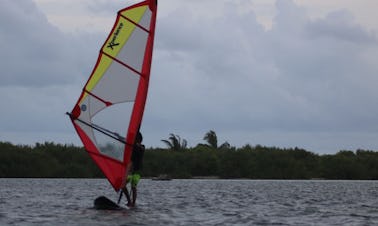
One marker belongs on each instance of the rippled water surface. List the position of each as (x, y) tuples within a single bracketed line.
[(191, 202)]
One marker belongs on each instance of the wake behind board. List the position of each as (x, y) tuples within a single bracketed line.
[(103, 203)]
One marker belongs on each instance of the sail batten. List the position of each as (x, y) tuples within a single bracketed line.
[(107, 103), (113, 99), (124, 64), (135, 23)]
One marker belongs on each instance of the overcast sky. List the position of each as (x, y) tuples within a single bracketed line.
[(285, 73)]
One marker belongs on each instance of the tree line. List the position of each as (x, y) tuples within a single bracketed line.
[(50, 160)]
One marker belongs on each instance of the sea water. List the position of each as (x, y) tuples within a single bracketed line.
[(191, 202)]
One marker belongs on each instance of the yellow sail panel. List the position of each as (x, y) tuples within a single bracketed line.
[(101, 68), (122, 31), (135, 14), (119, 37)]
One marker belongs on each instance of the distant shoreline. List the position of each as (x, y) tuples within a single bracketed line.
[(51, 160)]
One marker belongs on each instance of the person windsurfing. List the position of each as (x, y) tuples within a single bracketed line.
[(134, 170)]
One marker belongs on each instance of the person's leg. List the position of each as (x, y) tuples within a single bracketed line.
[(126, 192), (134, 189), (134, 183)]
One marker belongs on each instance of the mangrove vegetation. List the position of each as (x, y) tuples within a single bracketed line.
[(50, 160)]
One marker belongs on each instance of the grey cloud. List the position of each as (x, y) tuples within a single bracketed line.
[(35, 53), (288, 86), (340, 26), (330, 77), (104, 7), (285, 79)]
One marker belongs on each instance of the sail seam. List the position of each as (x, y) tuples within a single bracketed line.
[(124, 64), (136, 24), (107, 103)]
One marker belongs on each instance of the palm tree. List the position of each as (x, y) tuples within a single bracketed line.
[(212, 141), (175, 143), (211, 138), (225, 145)]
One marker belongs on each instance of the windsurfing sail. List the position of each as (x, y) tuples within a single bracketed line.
[(109, 111)]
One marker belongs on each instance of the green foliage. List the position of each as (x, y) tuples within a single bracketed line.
[(46, 160), (51, 160), (260, 163)]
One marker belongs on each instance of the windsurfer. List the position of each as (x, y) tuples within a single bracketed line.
[(135, 168)]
